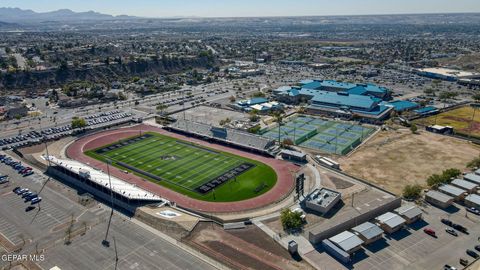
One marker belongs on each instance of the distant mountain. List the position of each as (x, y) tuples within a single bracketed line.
[(16, 15)]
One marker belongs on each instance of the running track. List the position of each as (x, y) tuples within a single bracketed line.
[(284, 185)]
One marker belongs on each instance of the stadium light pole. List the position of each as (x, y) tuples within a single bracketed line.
[(105, 242)]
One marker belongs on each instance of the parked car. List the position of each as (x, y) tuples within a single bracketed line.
[(473, 210), (448, 267), (29, 208), (472, 253), (23, 190), (451, 231), (460, 228), (25, 194), (477, 247), (430, 232), (463, 261), (28, 173), (39, 199)]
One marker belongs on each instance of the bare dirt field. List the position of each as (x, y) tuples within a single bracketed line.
[(248, 248), (395, 158)]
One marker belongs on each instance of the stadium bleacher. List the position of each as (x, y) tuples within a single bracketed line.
[(228, 135)]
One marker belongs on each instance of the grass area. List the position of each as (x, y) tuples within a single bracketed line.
[(460, 119), (185, 167)]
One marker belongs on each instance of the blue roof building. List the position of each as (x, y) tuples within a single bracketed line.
[(341, 99), (402, 105)]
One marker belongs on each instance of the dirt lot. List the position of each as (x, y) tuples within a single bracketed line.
[(247, 248), (393, 159)]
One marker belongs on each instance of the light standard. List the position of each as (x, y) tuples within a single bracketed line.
[(105, 242)]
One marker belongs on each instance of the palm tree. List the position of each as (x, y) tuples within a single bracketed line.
[(278, 118)]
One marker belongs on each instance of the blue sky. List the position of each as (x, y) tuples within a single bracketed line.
[(232, 8)]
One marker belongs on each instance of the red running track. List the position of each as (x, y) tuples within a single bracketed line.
[(284, 185)]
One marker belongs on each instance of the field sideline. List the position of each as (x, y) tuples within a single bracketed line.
[(186, 167)]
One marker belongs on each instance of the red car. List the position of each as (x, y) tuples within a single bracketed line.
[(430, 232)]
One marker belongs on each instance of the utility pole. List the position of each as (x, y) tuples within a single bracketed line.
[(105, 242), (116, 253)]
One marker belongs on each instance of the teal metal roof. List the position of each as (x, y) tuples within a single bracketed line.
[(341, 99), (402, 105)]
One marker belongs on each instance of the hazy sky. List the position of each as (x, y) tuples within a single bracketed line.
[(232, 8)]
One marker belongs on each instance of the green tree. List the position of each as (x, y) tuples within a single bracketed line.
[(78, 122), (291, 220), (161, 108), (254, 129), (413, 128), (412, 192), (474, 163), (446, 177)]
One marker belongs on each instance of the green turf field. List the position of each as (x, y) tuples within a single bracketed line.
[(190, 169)]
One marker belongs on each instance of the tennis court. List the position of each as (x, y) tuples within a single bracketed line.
[(320, 134)]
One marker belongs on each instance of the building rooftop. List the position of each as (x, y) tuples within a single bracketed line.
[(346, 240), (402, 105), (344, 99), (294, 153), (449, 72), (425, 110), (451, 190), (391, 219), (472, 177), (118, 186), (323, 197), (474, 198), (464, 184), (409, 211), (438, 196), (368, 230), (253, 101)]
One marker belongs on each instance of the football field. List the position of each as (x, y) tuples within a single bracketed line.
[(188, 168)]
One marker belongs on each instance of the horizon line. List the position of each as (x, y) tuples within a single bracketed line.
[(266, 16)]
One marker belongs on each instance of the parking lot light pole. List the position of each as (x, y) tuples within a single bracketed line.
[(105, 242)]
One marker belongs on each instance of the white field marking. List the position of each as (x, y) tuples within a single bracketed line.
[(140, 162), (149, 166)]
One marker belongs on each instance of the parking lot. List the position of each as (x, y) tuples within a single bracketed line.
[(412, 248), (45, 228)]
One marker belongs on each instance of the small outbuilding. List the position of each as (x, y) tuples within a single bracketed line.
[(368, 232), (473, 200), (472, 177), (410, 213), (390, 222), (465, 185), (458, 194), (347, 241), (438, 199)]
